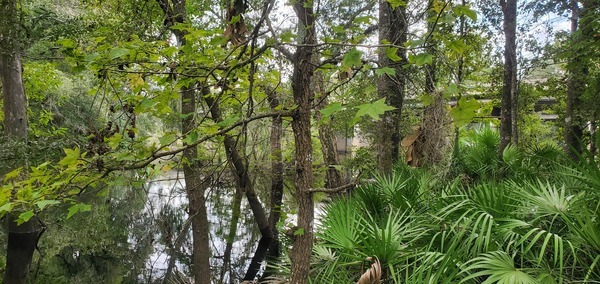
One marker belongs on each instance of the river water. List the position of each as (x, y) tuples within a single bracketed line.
[(167, 201)]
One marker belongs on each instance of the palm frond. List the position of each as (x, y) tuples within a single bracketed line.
[(496, 267)]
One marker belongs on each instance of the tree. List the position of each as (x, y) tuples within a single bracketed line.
[(302, 84), (195, 183), (392, 30), (22, 236), (508, 125)]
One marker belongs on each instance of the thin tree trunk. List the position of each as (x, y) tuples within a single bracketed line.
[(235, 217), (241, 172), (276, 176), (459, 79), (303, 97), (509, 10), (333, 177), (195, 183), (573, 126), (392, 29), (22, 239)]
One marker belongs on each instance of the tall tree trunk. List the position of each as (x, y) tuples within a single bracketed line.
[(509, 90), (459, 79), (333, 177), (276, 176), (195, 183), (303, 97), (23, 238), (431, 144), (392, 29), (573, 132)]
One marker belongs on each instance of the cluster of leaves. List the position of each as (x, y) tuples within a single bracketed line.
[(511, 230)]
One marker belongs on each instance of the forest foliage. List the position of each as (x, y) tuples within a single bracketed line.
[(259, 99)]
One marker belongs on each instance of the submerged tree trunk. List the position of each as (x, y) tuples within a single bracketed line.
[(22, 239), (509, 90), (240, 168), (235, 218), (303, 98), (392, 29)]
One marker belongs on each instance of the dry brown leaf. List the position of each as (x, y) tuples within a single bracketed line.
[(373, 274), (410, 139)]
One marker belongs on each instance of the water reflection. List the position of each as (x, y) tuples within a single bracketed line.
[(167, 205)]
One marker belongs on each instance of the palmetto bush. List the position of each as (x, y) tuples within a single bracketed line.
[(518, 229)]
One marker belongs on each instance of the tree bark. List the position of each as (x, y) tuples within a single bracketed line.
[(509, 90), (276, 176), (303, 97), (195, 183), (333, 177), (573, 131), (22, 239), (195, 186), (392, 29)]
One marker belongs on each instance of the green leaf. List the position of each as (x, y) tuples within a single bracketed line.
[(71, 157), (191, 138), (80, 207), (374, 110), (167, 139), (13, 174), (43, 203), (422, 59), (465, 10), (25, 216), (385, 70), (331, 109), (457, 46), (427, 99), (235, 19), (464, 111), (451, 90), (392, 53), (118, 52), (67, 43), (299, 232), (228, 121), (287, 36), (396, 3), (6, 207), (352, 58)]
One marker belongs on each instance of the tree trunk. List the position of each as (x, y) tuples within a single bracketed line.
[(431, 144), (333, 178), (195, 183), (22, 239), (276, 176), (303, 97), (392, 29), (235, 217), (509, 90), (573, 132), (240, 169)]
